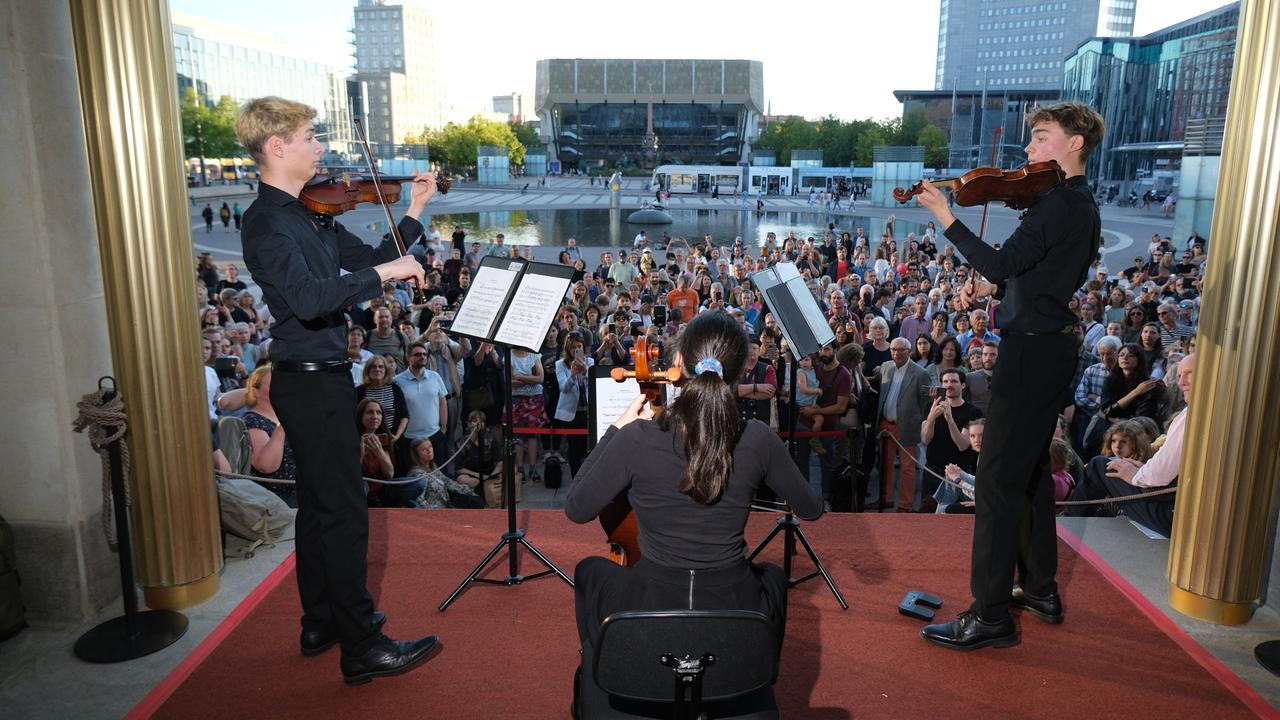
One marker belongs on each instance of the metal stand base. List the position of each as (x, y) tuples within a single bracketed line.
[(790, 528), (1268, 655), (511, 540), (116, 641)]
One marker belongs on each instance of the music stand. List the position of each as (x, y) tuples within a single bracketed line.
[(510, 303), (806, 331)]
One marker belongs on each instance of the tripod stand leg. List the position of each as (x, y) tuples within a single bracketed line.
[(472, 577), (776, 529), (821, 568), (550, 565)]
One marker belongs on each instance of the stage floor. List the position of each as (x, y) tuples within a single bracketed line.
[(511, 651)]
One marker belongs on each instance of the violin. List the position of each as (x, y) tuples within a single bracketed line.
[(618, 518), (335, 194), (1017, 189)]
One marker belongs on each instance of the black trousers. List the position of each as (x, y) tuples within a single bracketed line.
[(1015, 527), (317, 410)]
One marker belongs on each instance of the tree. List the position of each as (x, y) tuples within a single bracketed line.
[(935, 145), (209, 130), (455, 145), (525, 133)]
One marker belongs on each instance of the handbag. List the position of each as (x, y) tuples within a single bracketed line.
[(493, 492), (478, 398)]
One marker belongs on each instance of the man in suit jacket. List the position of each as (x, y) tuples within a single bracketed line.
[(978, 382), (904, 403)]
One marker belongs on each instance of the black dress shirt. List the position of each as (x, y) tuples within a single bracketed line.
[(296, 262), (1040, 267)]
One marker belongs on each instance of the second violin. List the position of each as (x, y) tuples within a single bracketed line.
[(1015, 188)]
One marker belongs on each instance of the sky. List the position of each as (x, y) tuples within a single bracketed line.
[(842, 58)]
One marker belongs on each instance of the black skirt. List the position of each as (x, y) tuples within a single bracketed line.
[(602, 587)]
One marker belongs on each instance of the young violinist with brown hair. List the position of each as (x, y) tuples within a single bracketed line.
[(296, 260), (1035, 273), (690, 475)]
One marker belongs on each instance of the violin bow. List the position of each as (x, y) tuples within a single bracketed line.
[(382, 200)]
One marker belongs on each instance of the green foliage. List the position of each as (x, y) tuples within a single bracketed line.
[(853, 141), (525, 134), (455, 145), (935, 145), (209, 129)]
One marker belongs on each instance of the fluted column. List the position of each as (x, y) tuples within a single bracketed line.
[(1226, 502), (128, 92)]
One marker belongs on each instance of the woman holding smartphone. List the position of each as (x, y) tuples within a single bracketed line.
[(571, 409)]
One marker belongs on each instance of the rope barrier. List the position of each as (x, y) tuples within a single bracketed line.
[(1060, 503), (96, 414), (404, 481)]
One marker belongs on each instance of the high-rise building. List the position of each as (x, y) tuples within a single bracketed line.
[(217, 60), (1162, 96), (1017, 44), (518, 107), (396, 63)]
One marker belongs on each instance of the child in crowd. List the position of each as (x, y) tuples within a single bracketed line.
[(807, 392)]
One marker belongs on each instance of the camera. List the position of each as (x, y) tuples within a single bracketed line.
[(225, 366), (660, 315)]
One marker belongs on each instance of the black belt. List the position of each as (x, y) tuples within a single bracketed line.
[(1064, 330), (333, 366)]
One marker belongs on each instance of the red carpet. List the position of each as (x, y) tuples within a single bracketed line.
[(511, 651)]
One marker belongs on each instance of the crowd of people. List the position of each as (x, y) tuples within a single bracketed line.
[(896, 397)]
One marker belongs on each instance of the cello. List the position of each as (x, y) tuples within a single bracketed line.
[(618, 518)]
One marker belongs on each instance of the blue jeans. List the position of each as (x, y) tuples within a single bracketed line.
[(826, 461)]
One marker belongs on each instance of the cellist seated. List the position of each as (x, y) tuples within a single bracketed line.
[(690, 475)]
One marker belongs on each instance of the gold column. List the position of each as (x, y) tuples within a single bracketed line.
[(128, 92), (1229, 467)]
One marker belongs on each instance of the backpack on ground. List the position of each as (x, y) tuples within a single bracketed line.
[(551, 473), (252, 512)]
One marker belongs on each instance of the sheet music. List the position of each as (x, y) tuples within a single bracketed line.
[(532, 309), (483, 301), (612, 398)]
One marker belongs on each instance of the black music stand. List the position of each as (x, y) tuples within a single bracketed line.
[(806, 331), (510, 303)]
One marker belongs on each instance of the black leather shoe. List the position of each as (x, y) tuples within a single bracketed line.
[(388, 657), (967, 632), (315, 642), (1047, 609)]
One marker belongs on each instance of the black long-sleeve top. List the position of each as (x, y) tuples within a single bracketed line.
[(1044, 262), (675, 530), (296, 262)]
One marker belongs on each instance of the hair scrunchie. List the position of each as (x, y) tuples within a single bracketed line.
[(709, 364)]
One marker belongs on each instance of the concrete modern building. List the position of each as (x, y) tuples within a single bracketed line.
[(218, 59), (1008, 44), (622, 112), (1149, 89), (396, 62)]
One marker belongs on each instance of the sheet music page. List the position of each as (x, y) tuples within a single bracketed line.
[(532, 309), (483, 300), (612, 399)]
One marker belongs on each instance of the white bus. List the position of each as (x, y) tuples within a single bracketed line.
[(686, 179)]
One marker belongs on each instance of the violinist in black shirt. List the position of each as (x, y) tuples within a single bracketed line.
[(1035, 273), (296, 258)]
